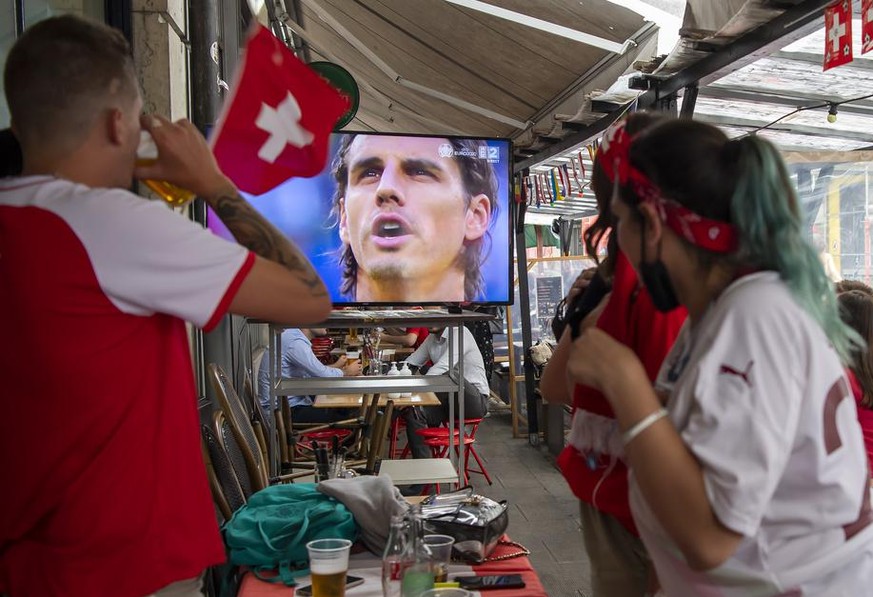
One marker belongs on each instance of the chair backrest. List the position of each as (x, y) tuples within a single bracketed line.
[(378, 436), (235, 453), (223, 482), (231, 406)]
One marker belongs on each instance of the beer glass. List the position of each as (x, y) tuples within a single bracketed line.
[(146, 155), (328, 564), (440, 548)]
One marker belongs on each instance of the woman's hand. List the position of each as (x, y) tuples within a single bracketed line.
[(597, 360), (580, 284)]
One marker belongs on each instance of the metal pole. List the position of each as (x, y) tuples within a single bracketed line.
[(204, 27), (526, 336)]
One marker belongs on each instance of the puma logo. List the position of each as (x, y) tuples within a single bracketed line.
[(744, 375)]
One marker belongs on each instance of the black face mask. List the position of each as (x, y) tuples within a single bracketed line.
[(656, 279)]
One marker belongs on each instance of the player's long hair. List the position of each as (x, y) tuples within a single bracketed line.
[(478, 177)]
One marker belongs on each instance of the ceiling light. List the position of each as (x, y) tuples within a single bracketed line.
[(832, 113)]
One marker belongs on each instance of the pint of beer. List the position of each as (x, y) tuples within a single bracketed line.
[(328, 563), (147, 154)]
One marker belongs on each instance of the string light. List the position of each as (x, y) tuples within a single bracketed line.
[(831, 106)]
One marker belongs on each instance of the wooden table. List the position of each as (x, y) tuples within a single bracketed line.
[(354, 400)]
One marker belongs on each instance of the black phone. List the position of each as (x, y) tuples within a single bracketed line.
[(351, 581), (482, 583)]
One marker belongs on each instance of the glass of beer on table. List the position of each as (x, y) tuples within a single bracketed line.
[(440, 548), (328, 564)]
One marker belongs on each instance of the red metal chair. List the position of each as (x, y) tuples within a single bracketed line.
[(437, 438)]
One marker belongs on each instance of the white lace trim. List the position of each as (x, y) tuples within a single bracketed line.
[(595, 433)]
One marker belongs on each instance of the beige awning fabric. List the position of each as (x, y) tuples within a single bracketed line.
[(433, 66)]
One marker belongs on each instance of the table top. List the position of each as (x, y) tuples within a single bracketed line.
[(419, 471), (354, 400), (368, 567)]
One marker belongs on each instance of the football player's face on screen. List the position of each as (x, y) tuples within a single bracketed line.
[(405, 213)]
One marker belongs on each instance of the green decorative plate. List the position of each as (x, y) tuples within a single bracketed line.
[(345, 83)]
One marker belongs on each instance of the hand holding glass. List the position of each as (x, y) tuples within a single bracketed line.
[(146, 155)]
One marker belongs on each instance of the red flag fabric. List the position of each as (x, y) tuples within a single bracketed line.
[(866, 26), (838, 34), (277, 123)]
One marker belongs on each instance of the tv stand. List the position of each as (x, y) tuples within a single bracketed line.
[(454, 317)]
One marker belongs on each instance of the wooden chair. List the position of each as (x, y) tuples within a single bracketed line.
[(223, 482), (238, 454), (239, 423)]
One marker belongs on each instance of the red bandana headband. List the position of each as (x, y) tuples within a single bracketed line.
[(708, 234)]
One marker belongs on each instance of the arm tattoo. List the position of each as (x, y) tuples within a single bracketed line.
[(255, 233)]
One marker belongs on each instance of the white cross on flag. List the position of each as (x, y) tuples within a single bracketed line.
[(866, 26), (278, 120), (838, 34)]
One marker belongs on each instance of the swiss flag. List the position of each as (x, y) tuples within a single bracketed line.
[(866, 26), (278, 120), (838, 34)]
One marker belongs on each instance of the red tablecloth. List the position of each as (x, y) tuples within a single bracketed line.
[(368, 566)]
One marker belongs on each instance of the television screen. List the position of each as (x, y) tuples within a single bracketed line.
[(402, 219)]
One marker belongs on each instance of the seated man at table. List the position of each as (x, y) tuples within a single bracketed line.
[(408, 337), (299, 361), (476, 389)]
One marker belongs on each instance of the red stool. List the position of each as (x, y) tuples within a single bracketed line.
[(427, 433), (323, 438), (437, 438)]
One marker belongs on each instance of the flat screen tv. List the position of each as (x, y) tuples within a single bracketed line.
[(402, 220)]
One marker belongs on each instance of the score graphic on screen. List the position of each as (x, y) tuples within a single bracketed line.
[(402, 219)]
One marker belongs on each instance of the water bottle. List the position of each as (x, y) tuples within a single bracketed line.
[(418, 575), (392, 558), (393, 371), (404, 370)]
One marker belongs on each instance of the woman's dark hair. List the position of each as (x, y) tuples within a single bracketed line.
[(856, 309), (744, 182), (603, 187), (849, 285)]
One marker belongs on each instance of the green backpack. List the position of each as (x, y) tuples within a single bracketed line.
[(271, 531)]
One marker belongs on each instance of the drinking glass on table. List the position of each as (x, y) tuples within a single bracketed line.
[(328, 563), (440, 548)]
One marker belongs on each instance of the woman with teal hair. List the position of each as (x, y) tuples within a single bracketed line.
[(748, 470)]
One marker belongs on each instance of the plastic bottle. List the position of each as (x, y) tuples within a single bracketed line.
[(393, 371), (418, 574), (392, 558), (404, 370)]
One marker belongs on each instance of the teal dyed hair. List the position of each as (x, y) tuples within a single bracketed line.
[(765, 210), (744, 182)]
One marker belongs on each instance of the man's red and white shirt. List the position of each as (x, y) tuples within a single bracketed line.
[(761, 399), (104, 487)]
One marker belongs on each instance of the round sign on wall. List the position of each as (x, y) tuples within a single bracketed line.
[(345, 83)]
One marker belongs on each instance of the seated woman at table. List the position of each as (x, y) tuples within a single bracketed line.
[(299, 361), (476, 389), (409, 337)]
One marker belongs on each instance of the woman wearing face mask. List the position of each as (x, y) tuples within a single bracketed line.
[(593, 461), (747, 461)]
